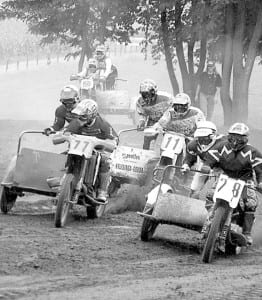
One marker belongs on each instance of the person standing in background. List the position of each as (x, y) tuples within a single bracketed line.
[(208, 89)]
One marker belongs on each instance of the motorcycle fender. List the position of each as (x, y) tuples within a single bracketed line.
[(169, 154), (152, 195)]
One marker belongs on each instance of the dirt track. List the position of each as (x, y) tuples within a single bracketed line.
[(105, 259)]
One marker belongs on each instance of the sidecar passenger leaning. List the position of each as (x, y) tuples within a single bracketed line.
[(89, 122), (150, 107)]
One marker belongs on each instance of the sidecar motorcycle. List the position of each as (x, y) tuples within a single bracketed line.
[(79, 184), (224, 226), (28, 172), (130, 165)]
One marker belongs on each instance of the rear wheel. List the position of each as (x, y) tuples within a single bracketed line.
[(95, 212), (215, 228), (7, 199), (148, 228), (63, 205)]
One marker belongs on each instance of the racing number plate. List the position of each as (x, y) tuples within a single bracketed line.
[(229, 189), (173, 143), (80, 147), (87, 84)]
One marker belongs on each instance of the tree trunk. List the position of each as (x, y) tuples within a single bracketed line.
[(239, 100), (227, 66), (169, 62)]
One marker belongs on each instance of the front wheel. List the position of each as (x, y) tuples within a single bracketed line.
[(7, 199), (63, 202), (95, 212), (215, 228)]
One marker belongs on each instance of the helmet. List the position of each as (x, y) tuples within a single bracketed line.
[(148, 90), (238, 136), (211, 66), (205, 134), (92, 63), (86, 110), (69, 96), (181, 103), (100, 52)]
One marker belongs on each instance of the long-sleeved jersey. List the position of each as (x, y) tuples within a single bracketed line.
[(62, 115), (193, 150), (100, 128), (185, 124), (237, 164), (154, 111)]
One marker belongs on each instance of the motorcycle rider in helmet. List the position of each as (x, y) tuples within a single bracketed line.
[(89, 122), (150, 106), (205, 138), (69, 97), (181, 117), (107, 71), (238, 159)]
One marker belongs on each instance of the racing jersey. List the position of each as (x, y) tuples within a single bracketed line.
[(237, 164), (185, 124), (104, 66), (62, 115), (100, 128), (193, 150), (154, 111)]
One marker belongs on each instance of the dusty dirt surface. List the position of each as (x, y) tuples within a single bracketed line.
[(105, 258)]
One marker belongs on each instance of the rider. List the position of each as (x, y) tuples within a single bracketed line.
[(69, 97), (240, 160), (90, 123), (205, 138), (91, 68), (180, 117), (150, 106), (106, 69)]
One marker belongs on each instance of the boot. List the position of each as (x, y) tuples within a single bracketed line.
[(104, 179), (249, 218)]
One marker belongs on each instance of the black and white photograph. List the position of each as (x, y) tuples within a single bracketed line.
[(131, 149)]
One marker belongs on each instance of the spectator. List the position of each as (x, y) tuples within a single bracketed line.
[(208, 89)]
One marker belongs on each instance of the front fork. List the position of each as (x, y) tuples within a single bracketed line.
[(79, 184)]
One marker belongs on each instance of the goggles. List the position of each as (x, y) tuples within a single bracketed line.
[(180, 108), (204, 140), (69, 101)]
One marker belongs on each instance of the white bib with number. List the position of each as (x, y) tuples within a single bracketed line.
[(229, 189), (173, 142), (81, 146)]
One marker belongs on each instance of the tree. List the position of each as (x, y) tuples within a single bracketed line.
[(81, 24)]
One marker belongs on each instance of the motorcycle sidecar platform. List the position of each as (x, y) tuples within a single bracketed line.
[(32, 169), (179, 210)]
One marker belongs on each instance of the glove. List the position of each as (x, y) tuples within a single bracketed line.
[(185, 168), (205, 169), (47, 131), (141, 125)]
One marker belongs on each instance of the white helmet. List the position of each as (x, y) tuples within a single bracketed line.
[(92, 63), (181, 103), (69, 96), (205, 134), (148, 90), (238, 136), (86, 110), (100, 52)]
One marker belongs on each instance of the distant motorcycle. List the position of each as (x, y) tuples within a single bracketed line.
[(79, 184), (89, 85), (226, 219)]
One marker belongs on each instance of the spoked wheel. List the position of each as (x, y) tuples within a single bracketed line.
[(7, 199), (148, 228), (95, 212), (207, 254), (63, 205)]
